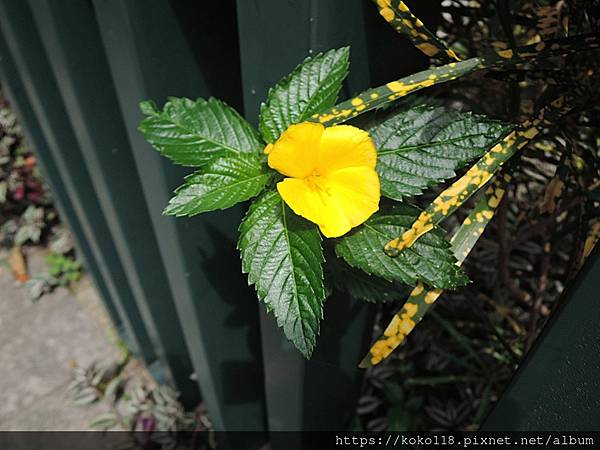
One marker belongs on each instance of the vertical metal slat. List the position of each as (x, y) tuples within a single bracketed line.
[(319, 394), (556, 387), (150, 58)]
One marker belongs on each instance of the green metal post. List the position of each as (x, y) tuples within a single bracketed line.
[(319, 394), (556, 387), (155, 50)]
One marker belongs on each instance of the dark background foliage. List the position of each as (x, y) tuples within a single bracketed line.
[(457, 362)]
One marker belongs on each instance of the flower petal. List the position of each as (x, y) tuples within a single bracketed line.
[(344, 146), (313, 203), (338, 202), (355, 192), (295, 152)]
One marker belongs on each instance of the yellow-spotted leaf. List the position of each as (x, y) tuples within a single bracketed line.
[(449, 200), (394, 90), (399, 16), (476, 177), (422, 298)]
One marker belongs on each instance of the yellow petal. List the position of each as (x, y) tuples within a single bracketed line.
[(356, 192), (345, 146), (295, 152), (337, 202), (308, 200)]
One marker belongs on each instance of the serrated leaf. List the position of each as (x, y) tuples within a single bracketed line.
[(223, 183), (311, 87), (364, 287), (421, 299), (193, 133), (424, 145), (373, 289), (431, 261), (282, 255)]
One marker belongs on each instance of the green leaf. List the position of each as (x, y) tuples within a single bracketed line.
[(421, 299), (113, 388), (193, 133), (223, 183), (494, 59), (398, 15), (104, 421), (311, 87), (282, 255), (364, 287), (86, 396), (373, 289), (431, 261), (149, 108), (424, 145)]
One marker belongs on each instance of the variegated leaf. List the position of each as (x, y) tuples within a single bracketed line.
[(422, 298)]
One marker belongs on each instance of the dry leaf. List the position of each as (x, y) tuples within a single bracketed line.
[(553, 192), (17, 264)]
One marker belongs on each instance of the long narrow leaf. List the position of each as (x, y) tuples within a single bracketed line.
[(460, 191), (390, 92), (399, 16), (382, 95), (449, 200), (421, 298)]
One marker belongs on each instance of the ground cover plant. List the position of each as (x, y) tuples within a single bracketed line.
[(27, 213)]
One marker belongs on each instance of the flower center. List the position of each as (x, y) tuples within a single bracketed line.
[(317, 182)]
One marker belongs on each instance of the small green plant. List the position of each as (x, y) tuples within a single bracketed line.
[(64, 269)]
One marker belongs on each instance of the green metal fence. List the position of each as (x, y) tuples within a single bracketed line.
[(76, 70)]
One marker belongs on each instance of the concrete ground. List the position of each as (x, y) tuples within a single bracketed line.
[(39, 343)]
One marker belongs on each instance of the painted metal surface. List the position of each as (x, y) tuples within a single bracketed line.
[(556, 387), (161, 49)]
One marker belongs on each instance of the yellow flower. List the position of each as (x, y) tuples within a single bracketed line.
[(332, 180)]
